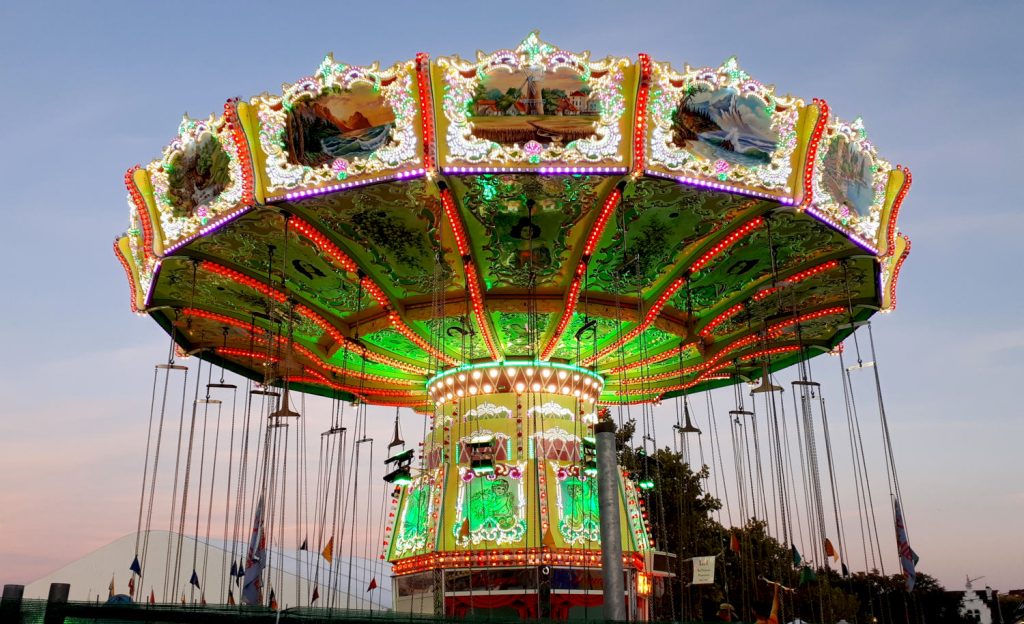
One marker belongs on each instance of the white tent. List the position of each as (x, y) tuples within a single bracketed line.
[(289, 573)]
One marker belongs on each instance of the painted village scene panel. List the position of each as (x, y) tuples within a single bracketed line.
[(551, 108)]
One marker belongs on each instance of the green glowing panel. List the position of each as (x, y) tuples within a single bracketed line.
[(256, 240), (651, 341), (520, 335), (390, 230), (572, 349), (523, 224), (458, 335), (748, 264), (354, 362), (390, 339), (578, 516), (657, 224), (411, 535), (492, 507)]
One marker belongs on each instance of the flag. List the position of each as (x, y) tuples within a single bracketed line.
[(734, 543), (315, 596), (234, 569), (796, 555), (231, 598), (305, 545), (195, 579), (202, 599), (846, 570), (252, 590), (273, 600), (548, 541), (328, 551), (807, 575), (136, 567), (464, 529), (703, 570), (182, 598), (152, 596), (830, 550), (111, 587), (373, 584), (908, 558), (774, 617), (131, 585)]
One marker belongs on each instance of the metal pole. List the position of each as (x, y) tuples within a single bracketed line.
[(10, 604), (56, 603), (611, 532)]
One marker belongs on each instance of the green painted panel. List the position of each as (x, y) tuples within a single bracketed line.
[(524, 224)]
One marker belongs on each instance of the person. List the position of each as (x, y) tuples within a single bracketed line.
[(762, 615), (503, 505), (726, 613)]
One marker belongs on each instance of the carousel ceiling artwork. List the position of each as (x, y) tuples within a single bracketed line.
[(372, 231)]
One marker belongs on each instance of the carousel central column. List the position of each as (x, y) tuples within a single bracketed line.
[(504, 514)]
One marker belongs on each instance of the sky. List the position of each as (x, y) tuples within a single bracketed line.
[(90, 89)]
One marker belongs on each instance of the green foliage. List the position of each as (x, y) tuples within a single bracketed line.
[(551, 97), (682, 522)]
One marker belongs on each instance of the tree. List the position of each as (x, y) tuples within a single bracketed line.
[(682, 522)]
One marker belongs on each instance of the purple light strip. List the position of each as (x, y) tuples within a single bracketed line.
[(542, 170), (718, 186), (208, 228), (842, 230), (152, 283), (401, 175)]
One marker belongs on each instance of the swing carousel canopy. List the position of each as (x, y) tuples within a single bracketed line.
[(623, 229)]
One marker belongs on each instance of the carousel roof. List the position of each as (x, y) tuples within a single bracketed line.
[(368, 228)]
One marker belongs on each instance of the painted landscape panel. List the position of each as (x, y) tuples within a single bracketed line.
[(350, 124), (721, 124), (847, 176), (197, 176)]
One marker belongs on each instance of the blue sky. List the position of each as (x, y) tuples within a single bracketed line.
[(90, 89)]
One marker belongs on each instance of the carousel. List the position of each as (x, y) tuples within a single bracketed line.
[(518, 247)]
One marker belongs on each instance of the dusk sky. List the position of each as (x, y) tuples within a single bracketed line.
[(90, 89)]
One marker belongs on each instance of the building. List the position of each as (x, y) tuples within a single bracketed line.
[(981, 607)]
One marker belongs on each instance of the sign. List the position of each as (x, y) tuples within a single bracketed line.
[(703, 570)]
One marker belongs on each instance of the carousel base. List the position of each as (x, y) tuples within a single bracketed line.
[(529, 592)]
